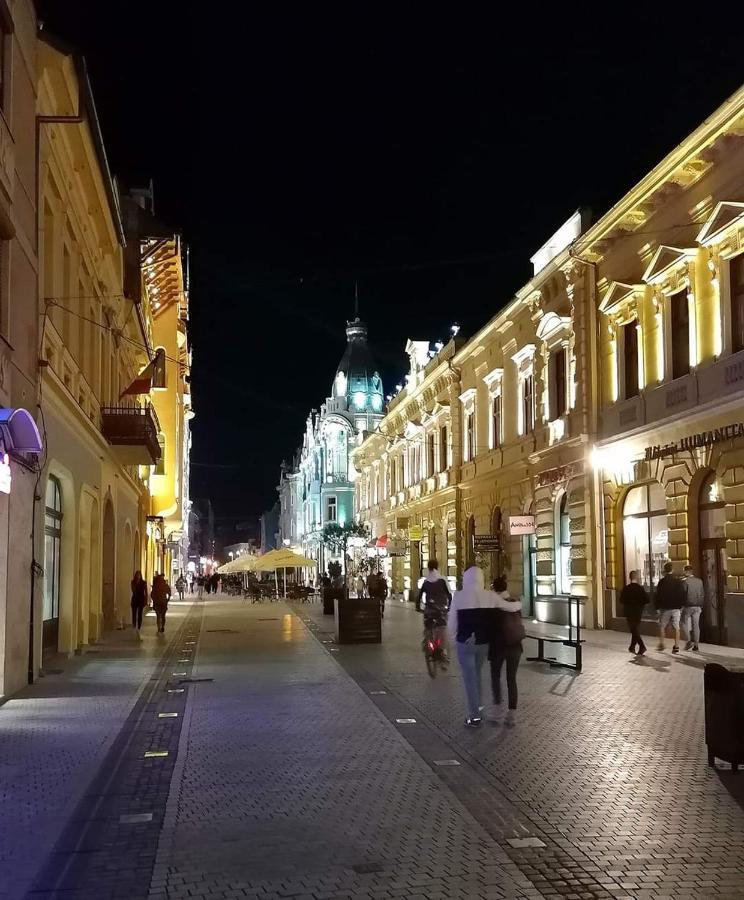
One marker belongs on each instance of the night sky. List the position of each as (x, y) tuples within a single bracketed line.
[(426, 158)]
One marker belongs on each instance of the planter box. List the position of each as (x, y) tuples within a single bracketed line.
[(358, 621)]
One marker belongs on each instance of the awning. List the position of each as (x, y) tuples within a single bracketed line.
[(19, 431), (382, 540)]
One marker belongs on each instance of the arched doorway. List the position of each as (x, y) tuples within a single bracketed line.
[(108, 566), (52, 563), (529, 569), (562, 535), (497, 558), (712, 559), (470, 543)]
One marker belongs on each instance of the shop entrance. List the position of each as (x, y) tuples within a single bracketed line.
[(712, 562), (108, 567)]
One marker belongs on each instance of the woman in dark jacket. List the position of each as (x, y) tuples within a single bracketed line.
[(505, 647), (139, 601)]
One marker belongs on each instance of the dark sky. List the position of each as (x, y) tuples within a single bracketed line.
[(425, 157)]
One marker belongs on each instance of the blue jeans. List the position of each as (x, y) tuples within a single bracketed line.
[(691, 623), (471, 658)]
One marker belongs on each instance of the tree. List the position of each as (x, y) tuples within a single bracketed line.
[(337, 537)]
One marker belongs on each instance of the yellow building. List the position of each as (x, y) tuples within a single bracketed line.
[(159, 272), (669, 260), (18, 337)]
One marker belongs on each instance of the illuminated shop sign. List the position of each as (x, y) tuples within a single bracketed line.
[(4, 473), (704, 439)]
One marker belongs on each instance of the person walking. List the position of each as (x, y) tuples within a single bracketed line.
[(633, 598), (161, 593), (670, 598), (360, 586), (139, 601), (469, 626), (691, 611), (200, 586), (505, 646), (180, 586)]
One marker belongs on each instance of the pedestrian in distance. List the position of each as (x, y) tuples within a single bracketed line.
[(200, 586), (469, 630), (139, 601), (180, 586), (633, 598), (360, 586), (691, 611), (670, 598), (505, 646), (161, 593)]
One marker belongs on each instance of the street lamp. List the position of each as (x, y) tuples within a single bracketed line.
[(231, 554)]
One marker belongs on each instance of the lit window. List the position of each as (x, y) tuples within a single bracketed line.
[(680, 322), (630, 358), (360, 399), (736, 280), (332, 509), (496, 436)]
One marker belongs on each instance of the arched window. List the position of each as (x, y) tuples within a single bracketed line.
[(645, 533), (470, 543), (562, 533), (52, 556)]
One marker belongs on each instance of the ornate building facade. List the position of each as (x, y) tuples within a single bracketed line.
[(594, 425), (318, 487)]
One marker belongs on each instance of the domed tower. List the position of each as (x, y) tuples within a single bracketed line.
[(357, 386)]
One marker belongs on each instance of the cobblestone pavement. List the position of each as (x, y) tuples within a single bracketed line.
[(607, 768), (291, 783), (290, 773), (55, 735)]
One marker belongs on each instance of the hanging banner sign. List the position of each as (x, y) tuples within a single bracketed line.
[(4, 473), (522, 525), (415, 532)]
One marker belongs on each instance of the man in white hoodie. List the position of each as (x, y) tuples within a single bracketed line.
[(469, 626)]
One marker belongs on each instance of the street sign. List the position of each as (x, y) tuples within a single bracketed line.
[(415, 532), (486, 543), (522, 525)]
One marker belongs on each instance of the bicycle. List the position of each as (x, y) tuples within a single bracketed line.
[(433, 647)]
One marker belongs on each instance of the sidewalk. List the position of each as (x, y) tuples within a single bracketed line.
[(611, 763), (54, 736)]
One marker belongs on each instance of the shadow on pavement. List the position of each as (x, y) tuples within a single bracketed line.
[(647, 662)]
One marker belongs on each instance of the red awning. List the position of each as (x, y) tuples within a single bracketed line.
[(381, 541)]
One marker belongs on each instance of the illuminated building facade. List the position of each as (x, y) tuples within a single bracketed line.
[(319, 487), (669, 262), (490, 432), (19, 436)]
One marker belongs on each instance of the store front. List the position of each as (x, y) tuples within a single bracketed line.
[(680, 502)]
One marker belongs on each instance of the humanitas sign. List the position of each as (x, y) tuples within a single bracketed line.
[(704, 439)]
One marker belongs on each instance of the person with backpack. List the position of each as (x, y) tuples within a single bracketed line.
[(670, 598), (505, 646), (180, 586)]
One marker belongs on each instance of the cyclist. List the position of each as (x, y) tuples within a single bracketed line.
[(435, 602)]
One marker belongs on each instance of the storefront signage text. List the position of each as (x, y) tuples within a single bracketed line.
[(4, 473), (704, 439), (553, 476), (415, 532), (486, 543), (522, 525)]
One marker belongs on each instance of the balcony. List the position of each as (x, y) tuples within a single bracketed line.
[(133, 431)]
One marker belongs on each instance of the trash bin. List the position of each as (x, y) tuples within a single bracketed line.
[(724, 715)]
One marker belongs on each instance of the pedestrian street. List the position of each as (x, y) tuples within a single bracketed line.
[(245, 754)]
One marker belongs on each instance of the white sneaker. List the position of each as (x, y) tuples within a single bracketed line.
[(511, 718)]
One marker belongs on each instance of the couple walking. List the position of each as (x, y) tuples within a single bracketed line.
[(486, 625), (160, 596)]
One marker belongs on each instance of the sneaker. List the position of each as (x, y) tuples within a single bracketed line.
[(511, 718), (631, 649), (660, 648), (473, 722), (695, 648), (675, 649), (688, 645)]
